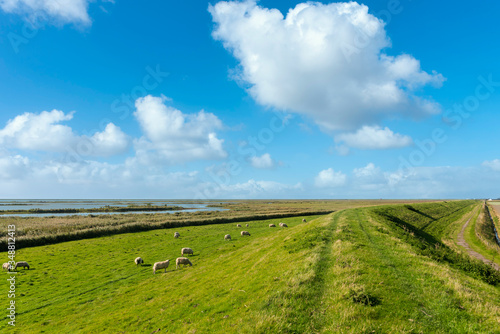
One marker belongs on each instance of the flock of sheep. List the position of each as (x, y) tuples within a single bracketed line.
[(186, 251), (165, 264), (157, 265)]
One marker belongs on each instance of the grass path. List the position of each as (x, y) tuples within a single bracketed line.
[(462, 242)]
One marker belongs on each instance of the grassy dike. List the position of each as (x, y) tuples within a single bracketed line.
[(352, 271)]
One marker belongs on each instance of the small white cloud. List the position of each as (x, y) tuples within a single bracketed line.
[(173, 136), (493, 164), (374, 138), (264, 162), (329, 178), (64, 11), (367, 171)]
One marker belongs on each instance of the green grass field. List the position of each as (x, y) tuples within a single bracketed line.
[(360, 270)]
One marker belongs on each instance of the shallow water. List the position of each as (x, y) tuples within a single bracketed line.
[(91, 204)]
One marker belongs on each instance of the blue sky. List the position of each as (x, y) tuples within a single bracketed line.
[(245, 99)]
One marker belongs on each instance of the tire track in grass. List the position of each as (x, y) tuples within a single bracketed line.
[(386, 257), (300, 301)]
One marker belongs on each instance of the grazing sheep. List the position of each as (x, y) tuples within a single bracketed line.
[(283, 225), (272, 225), (238, 225), (182, 260), (304, 220), (6, 266), (245, 233), (23, 264), (138, 261), (227, 237), (160, 265), (186, 251), (176, 235), (247, 225)]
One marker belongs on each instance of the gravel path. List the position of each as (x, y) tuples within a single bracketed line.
[(463, 243)]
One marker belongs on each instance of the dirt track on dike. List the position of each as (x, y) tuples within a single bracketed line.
[(463, 243)]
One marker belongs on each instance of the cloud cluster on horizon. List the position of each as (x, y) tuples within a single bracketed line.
[(170, 136)]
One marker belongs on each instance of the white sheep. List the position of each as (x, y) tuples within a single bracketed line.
[(176, 235), (283, 225), (23, 264), (304, 220), (6, 266), (187, 251), (247, 225), (182, 260), (272, 225), (160, 265), (238, 225), (227, 237), (138, 260), (245, 233)]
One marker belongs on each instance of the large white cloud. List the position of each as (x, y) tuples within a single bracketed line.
[(323, 61), (65, 11), (374, 137), (44, 132), (173, 136)]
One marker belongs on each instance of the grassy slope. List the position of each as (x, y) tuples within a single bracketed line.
[(346, 272)]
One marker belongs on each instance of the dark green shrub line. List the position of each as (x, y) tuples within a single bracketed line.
[(141, 227), (430, 245)]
